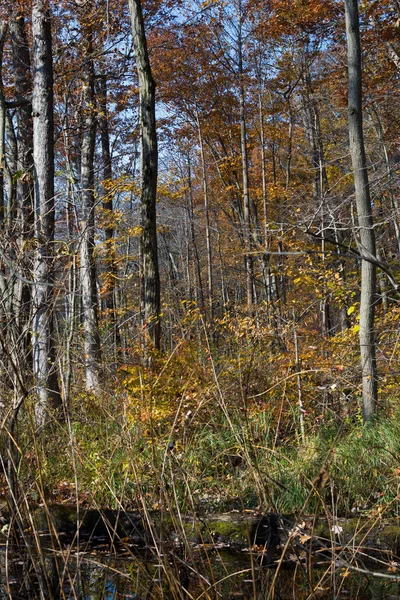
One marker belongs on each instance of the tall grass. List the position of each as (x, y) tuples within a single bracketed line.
[(189, 440)]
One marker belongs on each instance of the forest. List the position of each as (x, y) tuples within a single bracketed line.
[(199, 257)]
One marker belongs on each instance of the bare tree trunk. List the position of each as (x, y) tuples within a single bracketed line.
[(289, 147), (320, 180), (70, 304), (199, 289), (224, 290), (383, 286), (207, 223), (266, 255), (88, 266), (298, 378), (3, 110), (364, 212), (43, 157), (10, 170), (149, 155), (24, 210), (111, 264), (245, 172), (23, 83)]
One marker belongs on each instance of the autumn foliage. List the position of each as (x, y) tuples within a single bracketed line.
[(257, 234)]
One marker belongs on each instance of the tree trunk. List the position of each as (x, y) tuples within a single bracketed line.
[(245, 174), (266, 255), (111, 263), (320, 180), (364, 212), (22, 78), (199, 294), (207, 223), (3, 31), (88, 266), (43, 157), (24, 210), (149, 164)]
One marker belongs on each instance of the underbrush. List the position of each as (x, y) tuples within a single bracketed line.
[(218, 431), (229, 461)]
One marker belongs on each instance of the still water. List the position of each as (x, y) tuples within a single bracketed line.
[(194, 574)]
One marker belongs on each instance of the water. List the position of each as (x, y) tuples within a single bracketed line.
[(194, 573)]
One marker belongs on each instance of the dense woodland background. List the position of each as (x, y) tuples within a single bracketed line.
[(259, 250)]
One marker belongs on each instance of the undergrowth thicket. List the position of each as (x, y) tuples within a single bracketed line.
[(216, 425)]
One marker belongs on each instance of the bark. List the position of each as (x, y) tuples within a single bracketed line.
[(245, 175), (298, 378), (111, 264), (5, 303), (3, 110), (23, 86), (24, 210), (43, 157), (88, 266), (199, 288), (364, 212), (207, 223), (320, 179), (70, 304), (289, 147), (224, 290), (266, 269), (149, 165)]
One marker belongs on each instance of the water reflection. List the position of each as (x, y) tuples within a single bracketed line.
[(198, 574)]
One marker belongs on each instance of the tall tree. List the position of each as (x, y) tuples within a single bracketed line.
[(111, 264), (88, 266), (149, 156), (207, 222), (23, 86), (24, 164), (3, 113), (364, 211), (43, 158)]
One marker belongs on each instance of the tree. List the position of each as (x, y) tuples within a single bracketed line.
[(111, 266), (23, 211), (3, 32), (43, 159), (88, 266), (149, 157), (364, 212)]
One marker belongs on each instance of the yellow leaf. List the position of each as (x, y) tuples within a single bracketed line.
[(304, 538)]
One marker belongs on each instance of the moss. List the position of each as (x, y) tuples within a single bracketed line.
[(225, 529), (231, 531), (390, 535)]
